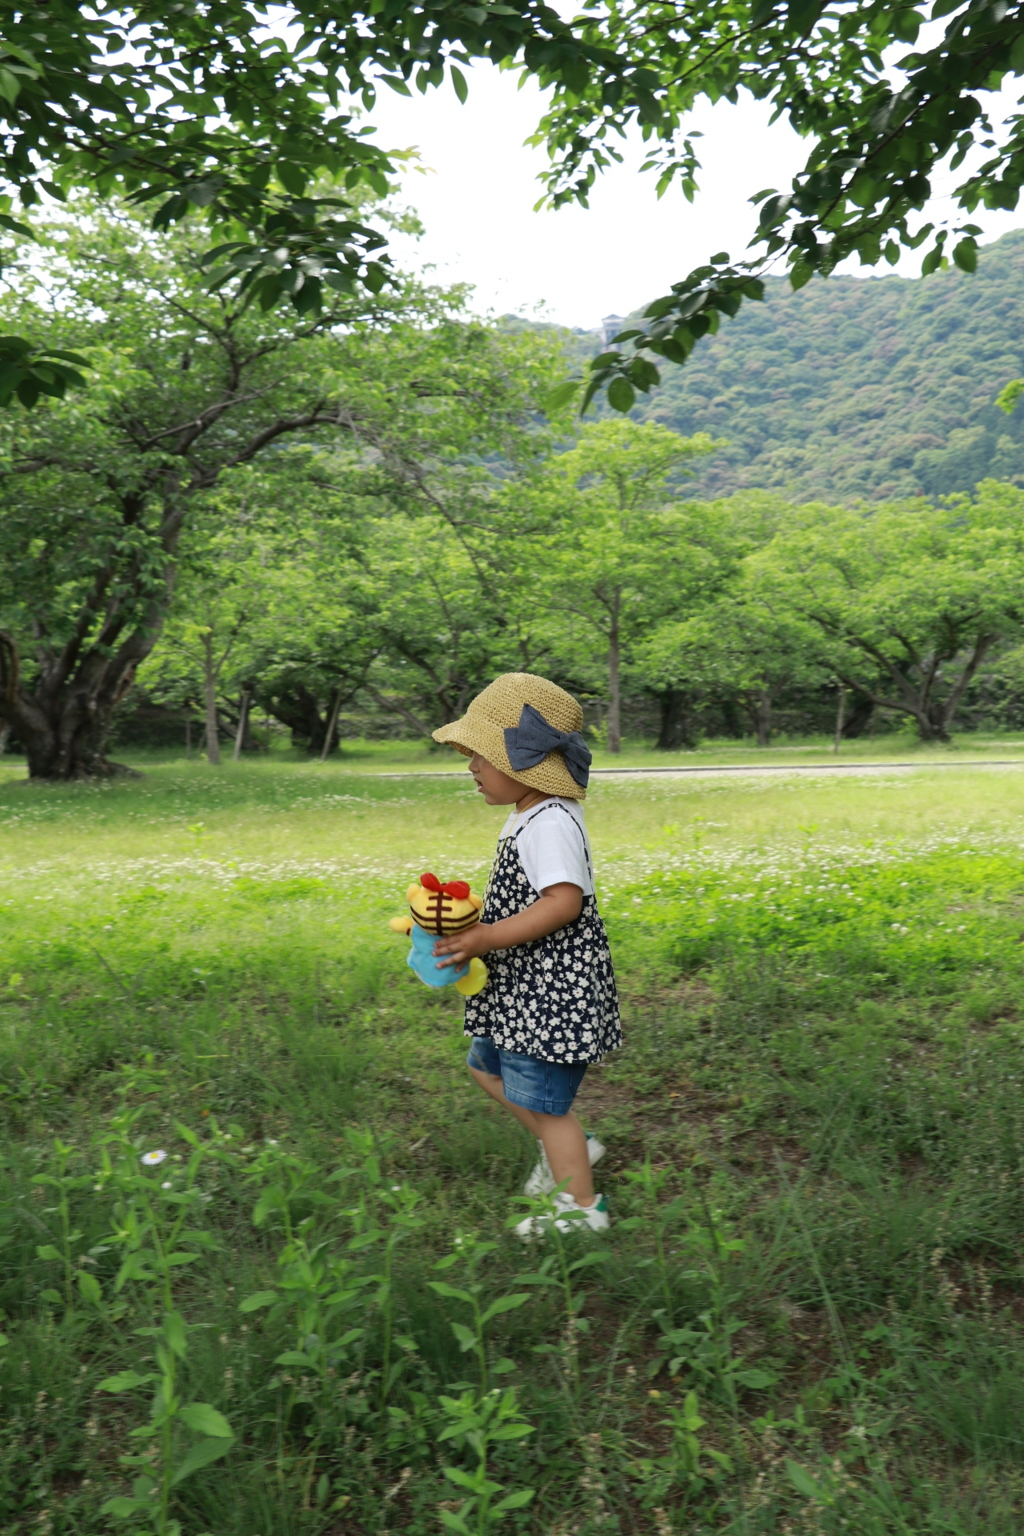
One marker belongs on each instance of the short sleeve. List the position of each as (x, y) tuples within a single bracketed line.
[(553, 850)]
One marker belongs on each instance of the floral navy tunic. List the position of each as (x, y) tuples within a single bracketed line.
[(554, 998)]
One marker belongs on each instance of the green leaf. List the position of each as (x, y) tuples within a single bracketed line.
[(292, 177), (505, 1304), (965, 254), (205, 1420), (124, 1381), (621, 394), (200, 1456), (374, 277), (462, 1479), (89, 1287), (297, 1358), (804, 1483), (444, 1289), (256, 1300), (802, 14), (514, 1501), (459, 82), (121, 1507), (176, 1334), (466, 1338), (562, 395), (454, 1522), (48, 1251), (755, 1378)]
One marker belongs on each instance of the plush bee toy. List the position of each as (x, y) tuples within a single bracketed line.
[(437, 911)]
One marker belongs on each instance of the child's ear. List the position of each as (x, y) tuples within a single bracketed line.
[(413, 892)]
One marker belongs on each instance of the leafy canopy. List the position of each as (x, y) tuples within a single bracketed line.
[(235, 108)]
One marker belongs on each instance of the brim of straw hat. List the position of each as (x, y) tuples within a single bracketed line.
[(482, 729)]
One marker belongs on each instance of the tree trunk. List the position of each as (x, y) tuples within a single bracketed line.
[(840, 712), (296, 708), (763, 717), (210, 692), (614, 689), (5, 731), (63, 730), (330, 735), (676, 720), (243, 722), (858, 716)]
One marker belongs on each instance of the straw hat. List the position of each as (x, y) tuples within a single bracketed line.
[(500, 706)]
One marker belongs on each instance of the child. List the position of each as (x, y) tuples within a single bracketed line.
[(549, 1006)]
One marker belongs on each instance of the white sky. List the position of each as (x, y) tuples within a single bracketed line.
[(476, 202)]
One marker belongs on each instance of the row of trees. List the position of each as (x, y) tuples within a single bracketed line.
[(371, 505), (594, 567)]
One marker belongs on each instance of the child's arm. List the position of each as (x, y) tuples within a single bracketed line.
[(557, 906)]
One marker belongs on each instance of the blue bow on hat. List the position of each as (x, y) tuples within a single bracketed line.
[(529, 743)]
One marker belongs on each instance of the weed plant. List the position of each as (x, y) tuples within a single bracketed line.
[(257, 1271)]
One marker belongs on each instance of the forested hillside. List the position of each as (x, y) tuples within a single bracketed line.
[(850, 388)]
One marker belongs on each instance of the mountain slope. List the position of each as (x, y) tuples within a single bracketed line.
[(861, 388)]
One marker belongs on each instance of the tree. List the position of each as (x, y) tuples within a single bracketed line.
[(620, 550), (96, 491), (739, 644), (909, 599)]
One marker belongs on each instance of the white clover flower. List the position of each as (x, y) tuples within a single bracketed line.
[(166, 1184), (153, 1159)]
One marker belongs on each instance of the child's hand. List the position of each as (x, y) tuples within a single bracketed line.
[(463, 947), (557, 906)]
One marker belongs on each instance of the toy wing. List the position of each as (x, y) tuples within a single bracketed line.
[(401, 925)]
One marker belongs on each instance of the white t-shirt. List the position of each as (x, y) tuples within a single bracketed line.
[(553, 845)]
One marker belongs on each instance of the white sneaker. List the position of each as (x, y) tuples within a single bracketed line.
[(542, 1180), (567, 1217)]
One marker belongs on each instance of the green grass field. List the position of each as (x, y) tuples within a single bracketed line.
[(310, 1316)]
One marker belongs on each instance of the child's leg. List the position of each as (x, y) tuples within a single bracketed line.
[(561, 1136)]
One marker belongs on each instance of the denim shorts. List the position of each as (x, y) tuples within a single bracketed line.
[(546, 1087)]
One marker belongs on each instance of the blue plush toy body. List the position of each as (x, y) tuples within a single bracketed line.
[(437, 911), (421, 958)]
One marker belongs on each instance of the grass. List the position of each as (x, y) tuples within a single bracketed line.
[(807, 1314)]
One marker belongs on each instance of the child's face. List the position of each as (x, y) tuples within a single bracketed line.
[(496, 787)]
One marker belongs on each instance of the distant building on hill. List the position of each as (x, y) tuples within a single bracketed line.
[(610, 326)]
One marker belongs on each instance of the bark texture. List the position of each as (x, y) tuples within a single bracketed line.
[(675, 722)]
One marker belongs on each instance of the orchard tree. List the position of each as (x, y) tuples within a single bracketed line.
[(742, 644), (910, 600), (262, 610), (96, 490), (621, 550)]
